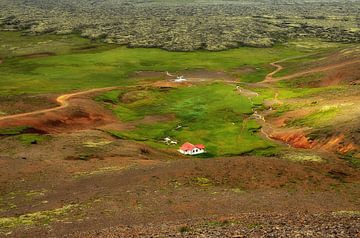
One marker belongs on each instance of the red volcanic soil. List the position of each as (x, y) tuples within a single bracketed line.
[(295, 138), (82, 113)]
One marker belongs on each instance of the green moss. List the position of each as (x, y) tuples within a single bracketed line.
[(112, 96), (13, 130), (302, 157), (347, 213), (28, 139), (201, 181), (31, 219), (99, 171), (351, 159)]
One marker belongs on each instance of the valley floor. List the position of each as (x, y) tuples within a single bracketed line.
[(82, 161)]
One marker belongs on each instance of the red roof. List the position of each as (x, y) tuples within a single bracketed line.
[(189, 146), (200, 146)]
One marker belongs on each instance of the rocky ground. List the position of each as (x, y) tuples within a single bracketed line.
[(337, 225)]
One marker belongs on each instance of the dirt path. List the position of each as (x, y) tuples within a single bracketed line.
[(267, 128), (269, 77), (62, 100)]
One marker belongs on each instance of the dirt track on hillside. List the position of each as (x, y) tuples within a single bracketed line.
[(62, 100), (269, 77), (297, 137)]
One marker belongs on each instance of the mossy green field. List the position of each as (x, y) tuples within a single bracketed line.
[(75, 63), (212, 114)]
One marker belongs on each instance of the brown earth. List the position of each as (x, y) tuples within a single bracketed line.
[(79, 113), (135, 189), (24, 103)]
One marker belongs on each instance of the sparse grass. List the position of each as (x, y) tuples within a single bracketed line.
[(36, 218), (347, 213), (30, 139), (36, 193), (110, 97), (238, 190), (220, 223), (184, 229), (96, 144), (351, 159), (13, 130), (98, 171), (255, 225), (319, 118), (201, 181), (302, 157), (267, 152), (308, 81)]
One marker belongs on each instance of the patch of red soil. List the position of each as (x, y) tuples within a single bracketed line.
[(339, 144), (300, 139), (83, 113), (295, 138)]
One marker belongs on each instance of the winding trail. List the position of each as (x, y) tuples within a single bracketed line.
[(269, 77), (62, 100)]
